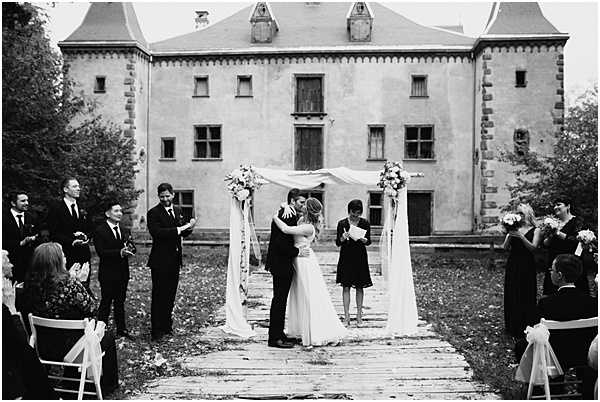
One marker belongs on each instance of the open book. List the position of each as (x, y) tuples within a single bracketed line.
[(356, 233)]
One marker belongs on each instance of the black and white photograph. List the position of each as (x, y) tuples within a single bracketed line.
[(300, 200)]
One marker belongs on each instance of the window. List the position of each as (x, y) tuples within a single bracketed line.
[(419, 142), (309, 94), (520, 78), (375, 208), (317, 193), (100, 86), (207, 142), (167, 148), (419, 86), (376, 142), (201, 86), (521, 140), (185, 200), (244, 86)]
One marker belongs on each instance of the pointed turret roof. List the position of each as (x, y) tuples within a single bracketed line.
[(113, 23), (518, 18)]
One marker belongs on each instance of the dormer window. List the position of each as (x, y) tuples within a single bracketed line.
[(264, 24), (359, 21)]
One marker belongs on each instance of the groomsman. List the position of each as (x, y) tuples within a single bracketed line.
[(167, 227), (113, 272), (69, 224), (19, 233)]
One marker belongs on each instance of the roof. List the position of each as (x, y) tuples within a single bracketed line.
[(109, 22), (517, 18), (317, 26)]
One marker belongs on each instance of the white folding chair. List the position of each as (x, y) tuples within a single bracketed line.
[(562, 325), (82, 366)]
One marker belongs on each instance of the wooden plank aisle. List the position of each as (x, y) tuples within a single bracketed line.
[(366, 365)]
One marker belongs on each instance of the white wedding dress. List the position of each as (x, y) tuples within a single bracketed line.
[(311, 314)]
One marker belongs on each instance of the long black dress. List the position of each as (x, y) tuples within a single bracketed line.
[(520, 287), (353, 264), (565, 246)]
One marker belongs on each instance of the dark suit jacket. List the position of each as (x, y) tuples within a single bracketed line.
[(20, 256), (571, 346), (281, 250), (112, 265), (62, 225), (166, 243)]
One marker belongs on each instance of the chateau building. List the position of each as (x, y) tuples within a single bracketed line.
[(301, 86)]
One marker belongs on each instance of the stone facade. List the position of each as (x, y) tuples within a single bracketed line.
[(472, 104)]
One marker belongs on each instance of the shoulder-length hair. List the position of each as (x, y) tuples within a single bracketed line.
[(48, 263), (528, 215)]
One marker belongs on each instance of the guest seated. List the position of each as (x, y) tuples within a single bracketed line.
[(51, 292), (593, 362), (570, 303), (23, 375)]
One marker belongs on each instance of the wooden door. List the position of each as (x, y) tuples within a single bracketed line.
[(419, 214), (309, 148)]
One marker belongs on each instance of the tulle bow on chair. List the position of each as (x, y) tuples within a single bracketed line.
[(539, 361), (88, 347)]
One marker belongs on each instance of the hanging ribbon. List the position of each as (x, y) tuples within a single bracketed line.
[(385, 240), (539, 361), (255, 245), (88, 344)]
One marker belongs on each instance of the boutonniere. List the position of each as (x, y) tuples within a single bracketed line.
[(83, 213)]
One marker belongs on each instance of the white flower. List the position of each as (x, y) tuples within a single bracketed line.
[(586, 236), (242, 194)]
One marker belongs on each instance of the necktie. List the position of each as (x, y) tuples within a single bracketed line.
[(20, 218), (74, 211), (117, 234), (171, 213)]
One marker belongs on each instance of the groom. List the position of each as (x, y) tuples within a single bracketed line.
[(280, 255)]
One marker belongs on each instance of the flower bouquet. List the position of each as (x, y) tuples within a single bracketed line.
[(243, 181), (393, 178), (511, 222), (588, 239), (549, 225)]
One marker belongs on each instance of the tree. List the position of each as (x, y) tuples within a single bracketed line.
[(39, 145), (571, 172)]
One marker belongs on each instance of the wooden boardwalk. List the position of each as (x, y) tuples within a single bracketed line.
[(367, 365)]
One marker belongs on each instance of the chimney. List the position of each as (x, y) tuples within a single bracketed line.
[(201, 19)]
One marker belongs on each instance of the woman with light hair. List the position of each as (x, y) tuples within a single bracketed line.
[(311, 314), (520, 280)]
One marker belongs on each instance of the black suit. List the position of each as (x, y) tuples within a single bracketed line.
[(20, 256), (62, 225), (113, 273), (280, 256), (165, 262), (571, 346)]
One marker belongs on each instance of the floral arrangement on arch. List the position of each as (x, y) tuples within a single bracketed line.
[(393, 178), (243, 181)]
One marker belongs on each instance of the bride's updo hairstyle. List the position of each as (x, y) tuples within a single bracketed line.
[(314, 214)]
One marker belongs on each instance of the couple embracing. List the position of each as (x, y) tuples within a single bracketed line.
[(297, 279)]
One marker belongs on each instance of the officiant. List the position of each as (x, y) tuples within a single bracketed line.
[(353, 235)]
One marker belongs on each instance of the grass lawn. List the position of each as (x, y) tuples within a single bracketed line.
[(461, 295)]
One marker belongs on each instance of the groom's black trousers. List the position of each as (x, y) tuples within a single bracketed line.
[(281, 288)]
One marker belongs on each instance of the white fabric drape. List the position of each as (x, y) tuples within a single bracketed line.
[(402, 307), (396, 264), (235, 322), (88, 347)]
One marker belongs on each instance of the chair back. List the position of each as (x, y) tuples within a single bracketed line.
[(35, 321), (573, 324)]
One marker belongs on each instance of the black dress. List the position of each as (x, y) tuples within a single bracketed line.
[(567, 245), (353, 265), (520, 287)]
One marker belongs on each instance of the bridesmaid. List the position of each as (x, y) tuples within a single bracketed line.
[(353, 265), (564, 241), (520, 283)]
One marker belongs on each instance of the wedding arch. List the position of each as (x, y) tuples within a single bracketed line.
[(394, 247)]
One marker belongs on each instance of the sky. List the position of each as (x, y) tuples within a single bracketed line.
[(159, 21)]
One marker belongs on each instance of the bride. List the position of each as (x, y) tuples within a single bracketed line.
[(311, 314)]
